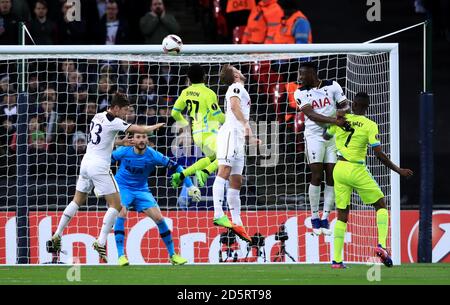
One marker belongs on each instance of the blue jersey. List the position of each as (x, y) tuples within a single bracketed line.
[(135, 168)]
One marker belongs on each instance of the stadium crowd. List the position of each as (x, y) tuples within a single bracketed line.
[(63, 95)]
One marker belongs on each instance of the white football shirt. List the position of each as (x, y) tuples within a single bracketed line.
[(103, 130), (323, 100), (237, 90)]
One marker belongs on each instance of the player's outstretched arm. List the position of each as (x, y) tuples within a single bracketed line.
[(404, 172), (176, 113), (144, 129), (316, 117)]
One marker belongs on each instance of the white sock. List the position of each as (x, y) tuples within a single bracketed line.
[(218, 196), (68, 214), (108, 222), (328, 202), (234, 203), (314, 199)]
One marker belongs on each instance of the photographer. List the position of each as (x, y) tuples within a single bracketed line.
[(157, 24)]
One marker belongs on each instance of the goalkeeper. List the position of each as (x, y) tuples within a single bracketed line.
[(351, 173), (206, 117), (136, 164)]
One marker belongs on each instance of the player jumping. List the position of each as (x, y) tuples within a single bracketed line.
[(231, 150), (136, 164), (318, 99), (206, 116), (95, 170), (351, 173)]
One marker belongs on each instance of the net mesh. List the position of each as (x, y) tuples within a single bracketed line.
[(48, 102)]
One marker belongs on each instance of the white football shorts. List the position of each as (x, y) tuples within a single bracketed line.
[(231, 149), (319, 150), (92, 175)]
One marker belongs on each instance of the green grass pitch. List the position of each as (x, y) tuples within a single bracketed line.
[(227, 274)]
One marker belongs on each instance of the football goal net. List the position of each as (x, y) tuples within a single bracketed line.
[(50, 94)]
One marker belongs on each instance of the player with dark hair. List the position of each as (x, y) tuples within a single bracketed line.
[(351, 173), (136, 164), (206, 116), (95, 170), (318, 99)]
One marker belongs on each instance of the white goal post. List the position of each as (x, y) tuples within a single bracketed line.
[(36, 185)]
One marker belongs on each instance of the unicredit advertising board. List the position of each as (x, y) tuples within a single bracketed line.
[(197, 239)]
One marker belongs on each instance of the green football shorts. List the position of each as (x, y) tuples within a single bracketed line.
[(350, 176), (207, 143)]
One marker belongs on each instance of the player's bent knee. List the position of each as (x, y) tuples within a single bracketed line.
[(80, 198), (342, 215), (236, 182), (113, 201), (224, 171), (380, 204)]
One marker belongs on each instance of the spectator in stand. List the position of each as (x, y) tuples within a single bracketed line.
[(76, 150), (157, 24), (49, 118), (128, 77), (49, 94), (131, 116), (42, 29), (8, 109), (68, 80), (5, 86), (147, 96), (33, 89), (8, 24), (71, 32), (236, 14), (263, 21), (64, 140), (168, 80), (8, 117), (104, 91), (111, 29), (38, 159), (149, 116), (294, 27), (85, 115)]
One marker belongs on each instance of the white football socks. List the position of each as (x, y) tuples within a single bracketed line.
[(328, 202), (234, 203), (314, 199), (108, 222), (218, 196), (68, 214)]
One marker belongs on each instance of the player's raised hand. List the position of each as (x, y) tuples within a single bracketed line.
[(405, 172), (128, 141)]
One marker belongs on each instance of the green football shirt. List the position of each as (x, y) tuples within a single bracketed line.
[(353, 139), (202, 108)]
